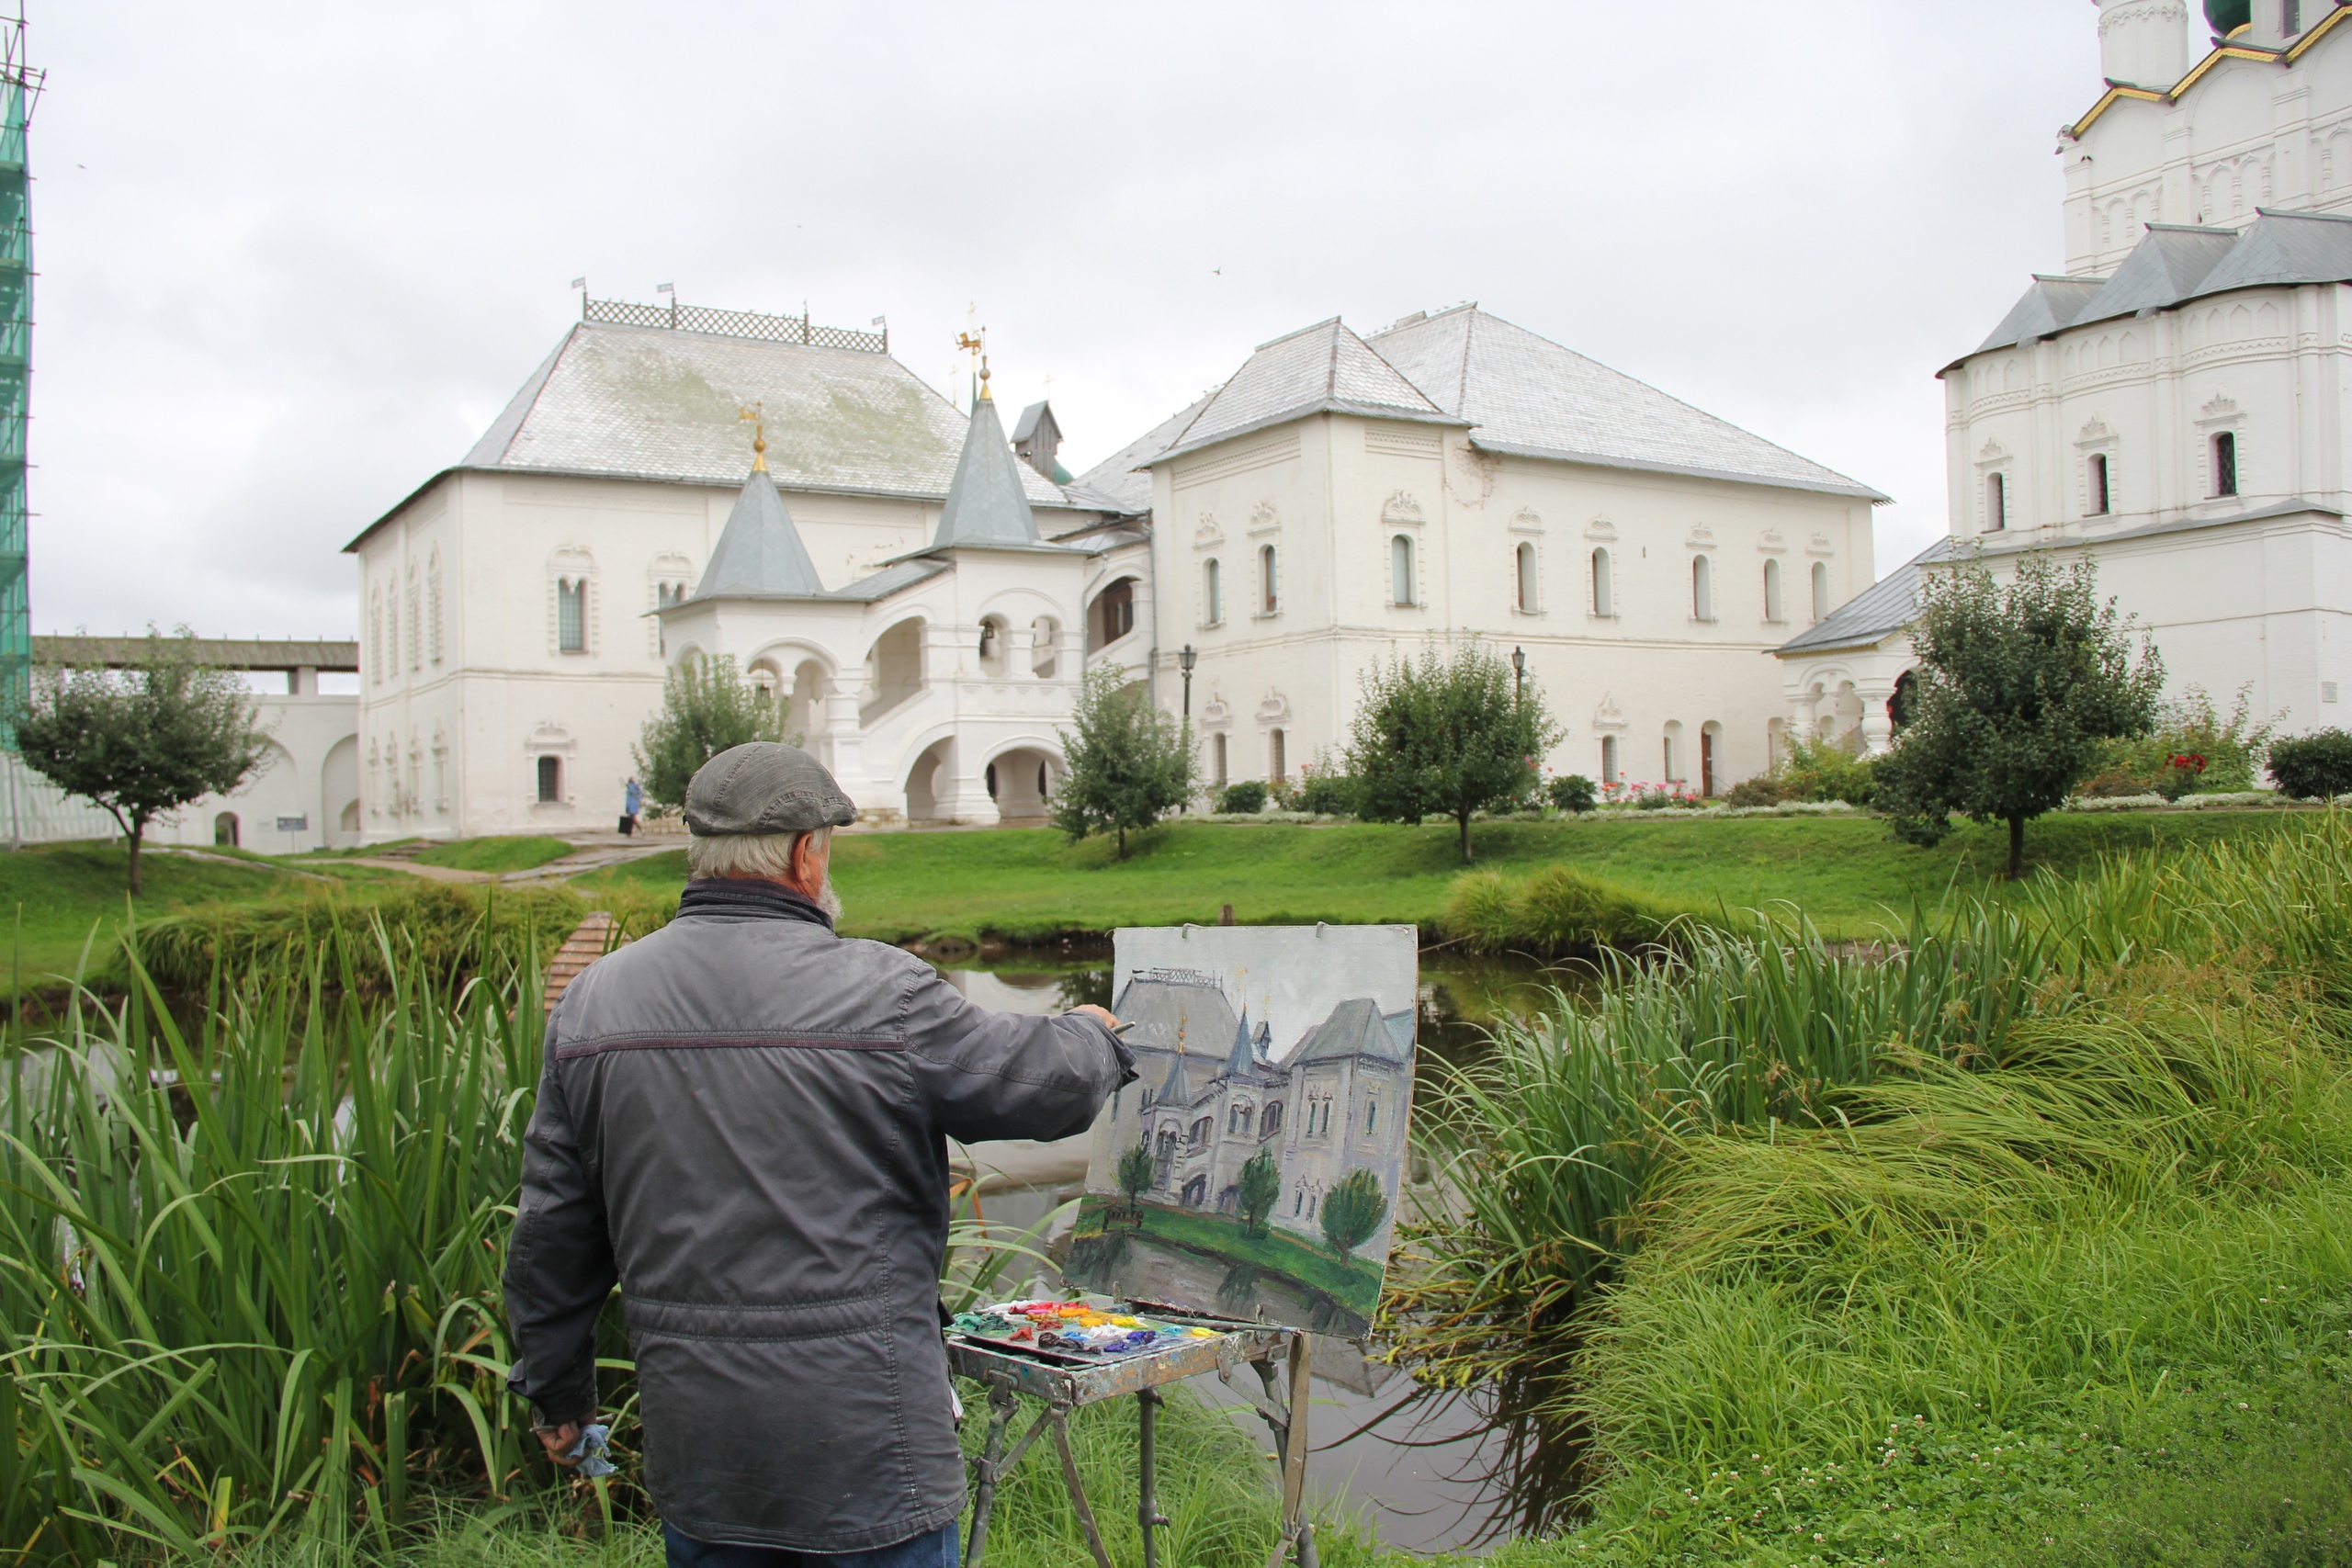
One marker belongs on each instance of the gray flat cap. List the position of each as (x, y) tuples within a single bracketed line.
[(764, 786)]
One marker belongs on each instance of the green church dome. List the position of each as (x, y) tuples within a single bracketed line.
[(2228, 16)]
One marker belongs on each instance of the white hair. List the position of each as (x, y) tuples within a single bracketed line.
[(767, 856)]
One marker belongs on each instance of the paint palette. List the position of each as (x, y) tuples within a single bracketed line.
[(1076, 1330)]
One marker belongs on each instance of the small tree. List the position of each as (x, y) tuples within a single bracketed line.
[(2018, 691), (1260, 1186), (1352, 1211), (1451, 734), (706, 707), (2317, 766), (142, 741), (1129, 763)]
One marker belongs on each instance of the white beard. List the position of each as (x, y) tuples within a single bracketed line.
[(829, 902)]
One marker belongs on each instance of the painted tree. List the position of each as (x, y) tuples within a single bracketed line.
[(1129, 763), (142, 741), (1135, 1172), (2019, 689), (1352, 1211), (1448, 733), (707, 707), (1260, 1186)]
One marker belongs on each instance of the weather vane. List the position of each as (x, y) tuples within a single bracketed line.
[(756, 414), (977, 345)]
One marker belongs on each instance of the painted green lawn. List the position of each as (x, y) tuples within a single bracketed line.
[(517, 851), (1353, 1281), (1847, 873), (60, 893)]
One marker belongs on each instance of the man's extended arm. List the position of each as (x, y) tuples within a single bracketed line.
[(1001, 1074), (559, 1266)]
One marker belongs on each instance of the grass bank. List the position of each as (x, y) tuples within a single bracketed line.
[(519, 851), (1029, 884), (2066, 1279)]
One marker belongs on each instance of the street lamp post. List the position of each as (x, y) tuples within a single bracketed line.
[(1185, 660), (1518, 672)]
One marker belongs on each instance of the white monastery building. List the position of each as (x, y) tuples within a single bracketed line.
[(2178, 404), (926, 596)]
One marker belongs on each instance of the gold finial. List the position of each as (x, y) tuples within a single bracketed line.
[(756, 414), (977, 345)]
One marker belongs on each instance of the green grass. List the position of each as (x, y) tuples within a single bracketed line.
[(1353, 1281), (62, 892), (518, 851), (1026, 884)]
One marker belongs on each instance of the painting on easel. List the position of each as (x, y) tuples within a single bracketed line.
[(1253, 1170)]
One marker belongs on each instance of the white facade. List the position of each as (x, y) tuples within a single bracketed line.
[(2179, 408), (1453, 476)]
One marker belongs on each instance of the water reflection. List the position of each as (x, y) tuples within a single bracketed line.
[(1430, 1470)]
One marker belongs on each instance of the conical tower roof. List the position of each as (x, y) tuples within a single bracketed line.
[(1242, 1057), (1177, 1089), (760, 555), (985, 503)]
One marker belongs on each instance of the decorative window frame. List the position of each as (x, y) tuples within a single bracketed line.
[(668, 569), (2097, 440), (1995, 459), (574, 563), (1527, 520), (1412, 542), (1534, 546), (2220, 413), (549, 738), (435, 610), (1265, 520), (1212, 606), (1592, 610)]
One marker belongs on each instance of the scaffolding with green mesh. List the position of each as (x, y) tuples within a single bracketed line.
[(19, 88)]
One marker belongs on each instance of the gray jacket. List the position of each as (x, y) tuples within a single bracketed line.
[(741, 1121)]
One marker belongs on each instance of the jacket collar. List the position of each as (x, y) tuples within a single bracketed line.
[(746, 899)]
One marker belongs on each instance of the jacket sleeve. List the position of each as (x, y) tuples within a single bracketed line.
[(560, 1265), (1001, 1074)]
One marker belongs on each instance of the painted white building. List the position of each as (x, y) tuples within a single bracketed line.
[(2177, 406), (1339, 498)]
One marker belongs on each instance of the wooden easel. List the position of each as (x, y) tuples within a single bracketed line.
[(1061, 1388)]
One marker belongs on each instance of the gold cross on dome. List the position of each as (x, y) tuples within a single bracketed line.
[(756, 415)]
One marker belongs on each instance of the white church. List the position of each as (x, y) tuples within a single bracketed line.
[(925, 595), (2177, 403)]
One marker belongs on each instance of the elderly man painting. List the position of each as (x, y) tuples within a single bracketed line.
[(742, 1121)]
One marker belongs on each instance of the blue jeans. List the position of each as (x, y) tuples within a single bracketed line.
[(935, 1549)]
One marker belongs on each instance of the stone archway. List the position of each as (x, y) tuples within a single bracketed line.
[(923, 781), (1021, 782)]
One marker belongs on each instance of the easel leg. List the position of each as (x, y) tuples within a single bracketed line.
[(1296, 1528), (1148, 1514), (1003, 1402), (1077, 1490)]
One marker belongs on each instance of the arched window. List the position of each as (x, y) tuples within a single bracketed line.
[(1604, 600), (1271, 1122), (1200, 1132), (1996, 502), (1702, 589), (550, 781), (1269, 587), (2225, 463), (1771, 591), (2094, 478), (1217, 753), (571, 614), (415, 622), (432, 607), (1212, 593), (1400, 570), (1609, 759), (1526, 579), (1371, 1114), (1821, 591), (1276, 770)]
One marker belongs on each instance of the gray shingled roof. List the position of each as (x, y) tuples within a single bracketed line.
[(1317, 369), (2163, 270), (1886, 606), (2285, 248), (1357, 1028), (895, 578), (2049, 304), (1526, 395), (219, 652), (651, 402), (985, 503), (759, 555), (1122, 476)]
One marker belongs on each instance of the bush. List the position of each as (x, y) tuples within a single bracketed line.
[(1559, 909), (1243, 796), (1571, 792), (1764, 789), (2192, 749), (2317, 766), (1826, 770), (1321, 789)]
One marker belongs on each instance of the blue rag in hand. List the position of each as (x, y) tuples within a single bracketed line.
[(590, 1453)]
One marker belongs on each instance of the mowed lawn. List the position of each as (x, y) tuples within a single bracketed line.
[(1028, 884)]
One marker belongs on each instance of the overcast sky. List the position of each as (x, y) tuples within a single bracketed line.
[(294, 257)]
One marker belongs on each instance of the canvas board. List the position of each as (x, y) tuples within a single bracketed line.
[(1253, 1169)]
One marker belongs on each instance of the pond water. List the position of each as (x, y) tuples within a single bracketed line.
[(1427, 1472)]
